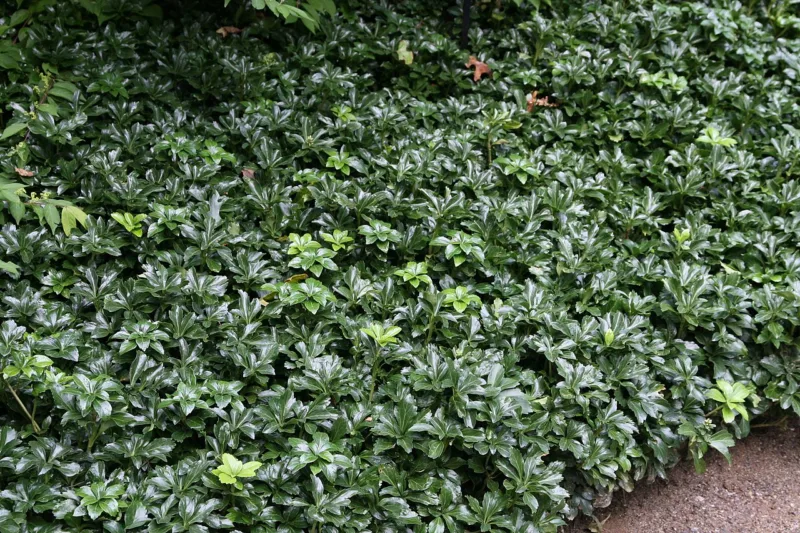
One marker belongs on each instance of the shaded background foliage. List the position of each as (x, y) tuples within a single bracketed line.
[(322, 287)]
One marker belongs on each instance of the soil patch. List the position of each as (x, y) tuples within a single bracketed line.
[(758, 493)]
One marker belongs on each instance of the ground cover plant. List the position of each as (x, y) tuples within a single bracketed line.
[(258, 278)]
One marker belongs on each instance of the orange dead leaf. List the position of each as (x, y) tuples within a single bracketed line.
[(24, 173), (227, 30), (533, 101), (248, 173), (481, 68)]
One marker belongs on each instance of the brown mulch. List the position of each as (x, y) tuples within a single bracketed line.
[(758, 493)]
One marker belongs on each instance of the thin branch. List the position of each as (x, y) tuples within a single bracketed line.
[(36, 427), (41, 101)]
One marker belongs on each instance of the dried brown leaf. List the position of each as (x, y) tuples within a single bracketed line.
[(224, 31), (481, 68), (534, 101), (248, 173), (24, 173)]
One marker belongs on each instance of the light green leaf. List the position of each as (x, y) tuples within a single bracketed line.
[(13, 129), (11, 268), (70, 217), (404, 54), (608, 337), (249, 469)]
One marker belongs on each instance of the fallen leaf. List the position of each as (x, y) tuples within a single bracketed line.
[(533, 101), (23, 172), (481, 68), (226, 30), (248, 173)]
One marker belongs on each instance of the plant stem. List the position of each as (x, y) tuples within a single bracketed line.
[(42, 100), (791, 169), (94, 437), (779, 422), (431, 323), (35, 426), (374, 375), (16, 37), (713, 411)]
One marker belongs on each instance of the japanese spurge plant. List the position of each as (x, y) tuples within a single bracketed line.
[(132, 223), (712, 136), (311, 293), (299, 244), (339, 240), (382, 336), (458, 246), (315, 260), (232, 470), (414, 273), (427, 297), (460, 298), (731, 397), (100, 498), (380, 233), (702, 437)]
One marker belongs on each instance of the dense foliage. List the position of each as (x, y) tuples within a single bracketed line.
[(340, 282), (309, 12)]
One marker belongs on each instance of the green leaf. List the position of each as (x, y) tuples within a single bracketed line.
[(136, 515), (51, 216), (17, 210), (608, 337), (40, 361), (64, 90), (435, 449), (13, 129), (232, 469), (326, 6), (10, 57), (11, 268), (715, 395), (18, 17), (70, 217), (249, 469)]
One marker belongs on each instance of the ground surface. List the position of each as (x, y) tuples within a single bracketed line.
[(759, 493)]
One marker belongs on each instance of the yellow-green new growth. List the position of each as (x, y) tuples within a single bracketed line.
[(732, 397), (232, 469)]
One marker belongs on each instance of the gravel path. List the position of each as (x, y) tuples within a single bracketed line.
[(759, 493)]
